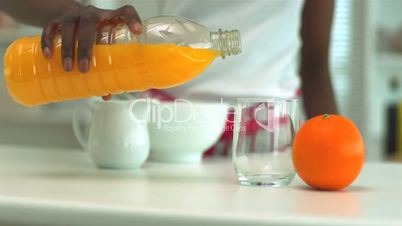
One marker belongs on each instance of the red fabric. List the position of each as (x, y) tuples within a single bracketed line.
[(157, 94)]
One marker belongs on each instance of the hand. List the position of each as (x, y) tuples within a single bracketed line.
[(80, 26)]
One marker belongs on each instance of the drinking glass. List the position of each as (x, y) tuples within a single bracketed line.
[(264, 129)]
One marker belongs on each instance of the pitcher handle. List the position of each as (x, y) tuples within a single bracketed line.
[(79, 134)]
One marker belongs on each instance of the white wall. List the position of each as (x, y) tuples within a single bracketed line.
[(388, 13)]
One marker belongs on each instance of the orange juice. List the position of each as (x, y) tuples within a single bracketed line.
[(33, 80)]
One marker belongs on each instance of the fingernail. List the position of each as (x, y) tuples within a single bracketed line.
[(107, 97), (46, 52), (138, 27), (68, 64), (83, 65)]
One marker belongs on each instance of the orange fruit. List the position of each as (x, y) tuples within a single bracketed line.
[(328, 152)]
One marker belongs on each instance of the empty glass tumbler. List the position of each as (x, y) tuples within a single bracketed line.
[(264, 129)]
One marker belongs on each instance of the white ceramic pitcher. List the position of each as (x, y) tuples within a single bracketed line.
[(118, 135)]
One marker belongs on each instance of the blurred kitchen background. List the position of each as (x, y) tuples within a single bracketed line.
[(366, 62)]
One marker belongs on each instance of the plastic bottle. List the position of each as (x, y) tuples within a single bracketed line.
[(170, 52)]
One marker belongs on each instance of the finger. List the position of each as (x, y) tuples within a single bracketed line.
[(107, 97), (48, 34), (129, 16), (86, 39), (68, 42)]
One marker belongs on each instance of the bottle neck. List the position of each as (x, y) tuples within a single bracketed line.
[(226, 42)]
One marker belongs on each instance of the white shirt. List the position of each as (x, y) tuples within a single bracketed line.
[(268, 64)]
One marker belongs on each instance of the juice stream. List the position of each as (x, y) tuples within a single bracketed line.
[(32, 79)]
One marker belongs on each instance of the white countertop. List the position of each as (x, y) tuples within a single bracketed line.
[(62, 187)]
